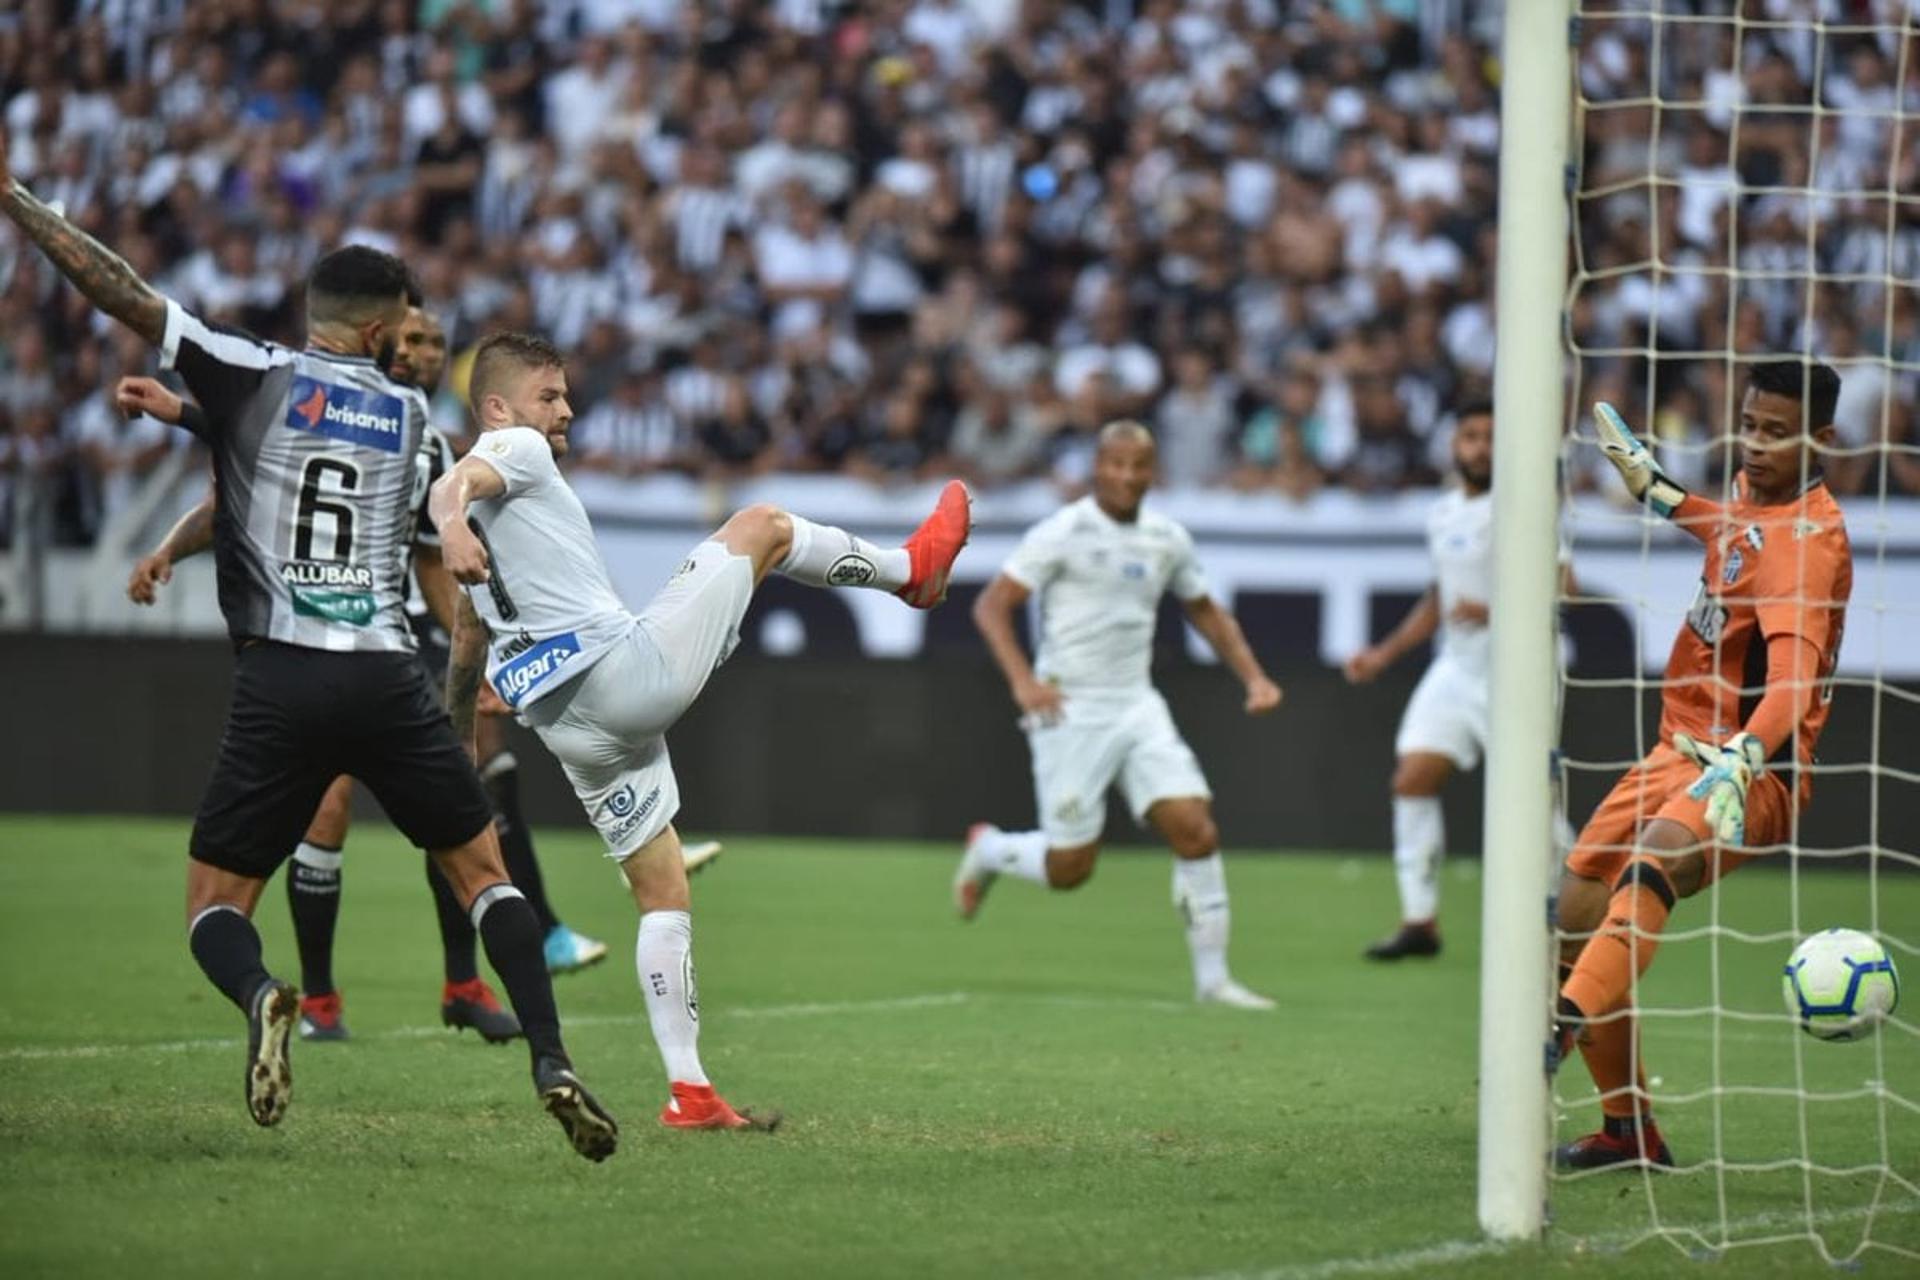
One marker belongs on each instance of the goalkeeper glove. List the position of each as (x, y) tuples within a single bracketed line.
[(1636, 464), (1726, 773)]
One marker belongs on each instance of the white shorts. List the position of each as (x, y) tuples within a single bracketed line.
[(1447, 715), (1101, 739), (607, 726)]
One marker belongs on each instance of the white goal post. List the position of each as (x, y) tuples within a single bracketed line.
[(1516, 962)]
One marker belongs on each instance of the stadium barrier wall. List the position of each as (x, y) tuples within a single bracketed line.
[(838, 744)]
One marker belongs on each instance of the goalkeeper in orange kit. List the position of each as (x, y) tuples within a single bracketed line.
[(1746, 693)]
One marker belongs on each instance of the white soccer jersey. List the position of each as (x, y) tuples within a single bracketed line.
[(1099, 584), (1460, 541), (549, 604)]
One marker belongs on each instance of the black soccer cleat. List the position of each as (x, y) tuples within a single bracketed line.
[(473, 1004), (593, 1132), (1619, 1143), (276, 1008), (1419, 938)]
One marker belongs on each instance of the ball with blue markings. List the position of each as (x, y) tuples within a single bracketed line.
[(1841, 984)]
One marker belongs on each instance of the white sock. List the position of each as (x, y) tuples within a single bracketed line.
[(1014, 853), (1419, 841), (1200, 893), (663, 956), (823, 556)]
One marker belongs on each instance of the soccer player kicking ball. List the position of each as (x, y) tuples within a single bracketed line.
[(1445, 724), (1747, 688), (1092, 718), (601, 686), (314, 461)]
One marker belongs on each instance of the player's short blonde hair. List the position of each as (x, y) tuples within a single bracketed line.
[(500, 356), (1124, 431)]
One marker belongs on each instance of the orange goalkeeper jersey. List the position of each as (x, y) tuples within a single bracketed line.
[(1770, 571)]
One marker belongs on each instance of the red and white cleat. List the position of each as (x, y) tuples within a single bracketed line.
[(936, 544), (697, 1106), (971, 881)]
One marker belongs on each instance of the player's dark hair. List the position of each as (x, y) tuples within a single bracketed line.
[(1813, 384), (1477, 407), (500, 355), (353, 284)]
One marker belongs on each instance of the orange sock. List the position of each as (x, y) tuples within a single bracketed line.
[(1611, 1050), (1603, 976)]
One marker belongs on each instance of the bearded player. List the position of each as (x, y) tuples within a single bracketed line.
[(1747, 691), (602, 686), (1444, 728), (1092, 716)]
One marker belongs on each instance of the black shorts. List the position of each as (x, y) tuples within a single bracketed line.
[(301, 717)]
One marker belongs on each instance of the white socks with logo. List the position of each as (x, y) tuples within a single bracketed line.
[(1022, 854), (823, 556), (1200, 893), (663, 956), (1419, 840)]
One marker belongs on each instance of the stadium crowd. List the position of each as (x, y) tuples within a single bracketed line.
[(900, 237)]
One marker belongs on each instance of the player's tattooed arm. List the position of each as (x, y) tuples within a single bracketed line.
[(98, 272), (464, 666), (1222, 631)]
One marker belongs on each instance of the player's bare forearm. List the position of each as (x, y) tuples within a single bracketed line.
[(437, 586), (1418, 627), (993, 615), (95, 270), (1222, 632), (464, 667), (191, 534)]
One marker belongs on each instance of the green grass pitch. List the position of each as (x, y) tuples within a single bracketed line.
[(1029, 1095)]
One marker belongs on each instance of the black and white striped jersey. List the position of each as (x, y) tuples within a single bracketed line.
[(316, 462)]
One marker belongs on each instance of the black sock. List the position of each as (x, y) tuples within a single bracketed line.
[(516, 845), (456, 929), (512, 937), (228, 948), (313, 895)]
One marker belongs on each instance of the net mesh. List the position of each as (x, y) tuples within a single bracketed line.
[(1746, 185)]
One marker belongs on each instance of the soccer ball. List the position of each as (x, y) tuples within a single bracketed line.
[(1841, 985)]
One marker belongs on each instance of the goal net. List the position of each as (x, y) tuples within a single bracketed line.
[(1745, 184)]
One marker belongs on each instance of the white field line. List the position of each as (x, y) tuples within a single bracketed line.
[(1448, 1252), (815, 1009), (819, 1009)]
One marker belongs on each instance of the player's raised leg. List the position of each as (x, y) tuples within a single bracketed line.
[(823, 555), (313, 899), (1419, 844)]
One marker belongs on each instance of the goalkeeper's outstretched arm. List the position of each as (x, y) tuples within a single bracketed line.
[(1651, 486)]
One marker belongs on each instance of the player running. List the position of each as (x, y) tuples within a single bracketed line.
[(1093, 719), (1748, 686), (314, 462), (1444, 727), (602, 686)]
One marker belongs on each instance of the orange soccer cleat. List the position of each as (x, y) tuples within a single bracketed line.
[(697, 1106), (935, 545)]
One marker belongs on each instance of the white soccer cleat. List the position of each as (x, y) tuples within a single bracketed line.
[(1234, 996), (697, 857), (971, 881)]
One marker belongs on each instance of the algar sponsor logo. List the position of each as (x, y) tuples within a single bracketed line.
[(519, 677)]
